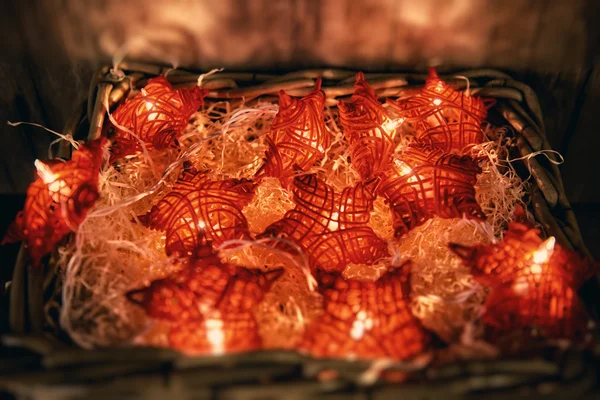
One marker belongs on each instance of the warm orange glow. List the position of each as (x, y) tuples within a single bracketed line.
[(210, 304), (402, 167), (534, 283), (157, 116), (368, 129), (198, 211), (215, 334), (365, 319), (44, 172), (331, 227), (424, 182), (544, 252), (58, 201), (390, 125), (298, 136), (443, 117), (58, 188)]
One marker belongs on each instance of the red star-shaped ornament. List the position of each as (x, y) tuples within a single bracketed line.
[(534, 283), (442, 116), (426, 182), (298, 136), (365, 319), (209, 303), (157, 116), (368, 129), (198, 210), (58, 200), (331, 228)]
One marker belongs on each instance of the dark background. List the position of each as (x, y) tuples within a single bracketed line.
[(51, 49)]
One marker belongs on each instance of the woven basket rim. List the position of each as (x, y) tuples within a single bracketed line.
[(518, 105)]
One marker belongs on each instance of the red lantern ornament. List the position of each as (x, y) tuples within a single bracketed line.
[(298, 136), (210, 304), (368, 129), (442, 116), (331, 228), (427, 183), (157, 116), (198, 210), (365, 319), (534, 283), (58, 200)]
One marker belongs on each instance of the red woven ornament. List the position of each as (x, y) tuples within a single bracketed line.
[(209, 303), (298, 136), (366, 319), (442, 116), (430, 184), (534, 283), (58, 200), (368, 129), (157, 116), (331, 228), (198, 211)]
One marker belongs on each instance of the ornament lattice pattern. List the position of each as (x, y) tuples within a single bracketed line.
[(298, 136), (438, 185), (442, 116), (323, 220), (209, 303), (368, 129), (198, 211), (157, 116), (534, 283), (58, 200), (365, 319)]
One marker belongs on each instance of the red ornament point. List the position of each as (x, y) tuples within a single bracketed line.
[(442, 116), (298, 135), (331, 228), (210, 304), (58, 200), (426, 183), (368, 130), (366, 320), (157, 116), (198, 211), (534, 283)]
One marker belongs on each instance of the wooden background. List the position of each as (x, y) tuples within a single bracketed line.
[(52, 47)]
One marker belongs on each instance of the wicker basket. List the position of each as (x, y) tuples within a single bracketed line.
[(39, 361)]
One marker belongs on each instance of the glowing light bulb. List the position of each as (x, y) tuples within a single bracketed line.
[(44, 172), (536, 269), (360, 325), (520, 287), (544, 252), (403, 167), (542, 255), (333, 223), (215, 335), (390, 125), (437, 102), (190, 222), (56, 186)]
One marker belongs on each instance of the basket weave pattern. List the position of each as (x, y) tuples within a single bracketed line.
[(36, 365)]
